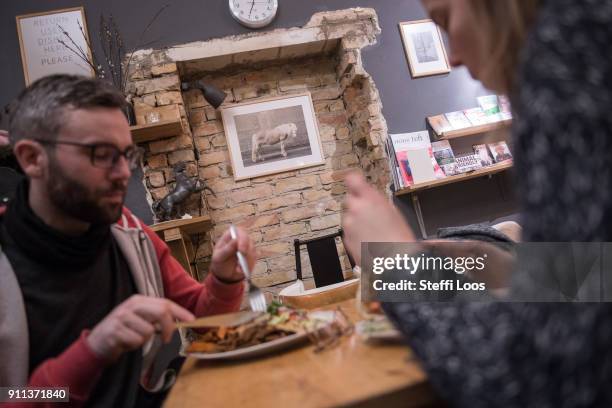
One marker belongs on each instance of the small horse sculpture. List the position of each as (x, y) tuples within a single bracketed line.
[(279, 135), (184, 187)]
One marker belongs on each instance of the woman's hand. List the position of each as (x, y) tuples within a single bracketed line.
[(370, 217)]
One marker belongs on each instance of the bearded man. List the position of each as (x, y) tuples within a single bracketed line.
[(87, 292)]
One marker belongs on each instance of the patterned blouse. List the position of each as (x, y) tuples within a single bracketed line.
[(540, 355)]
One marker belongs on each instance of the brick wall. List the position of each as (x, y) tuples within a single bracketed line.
[(275, 209)]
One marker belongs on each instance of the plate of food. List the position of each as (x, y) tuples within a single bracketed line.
[(249, 334)]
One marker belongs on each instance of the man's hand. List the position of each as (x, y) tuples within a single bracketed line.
[(224, 263), (370, 217), (132, 323)]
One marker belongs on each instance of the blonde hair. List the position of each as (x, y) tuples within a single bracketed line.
[(506, 24)]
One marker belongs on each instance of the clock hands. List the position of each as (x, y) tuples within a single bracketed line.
[(260, 14)]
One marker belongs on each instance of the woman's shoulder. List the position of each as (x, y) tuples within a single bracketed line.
[(569, 28)]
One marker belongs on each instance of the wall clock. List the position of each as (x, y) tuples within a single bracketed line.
[(254, 13)]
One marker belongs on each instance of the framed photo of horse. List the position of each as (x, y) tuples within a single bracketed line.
[(272, 135)]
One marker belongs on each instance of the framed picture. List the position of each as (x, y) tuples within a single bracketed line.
[(272, 135), (424, 48), (42, 54)]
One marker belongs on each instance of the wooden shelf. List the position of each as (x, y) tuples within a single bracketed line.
[(177, 235), (486, 171), (191, 226), (156, 131), (473, 130)]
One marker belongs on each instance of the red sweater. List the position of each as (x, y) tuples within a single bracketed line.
[(79, 368)]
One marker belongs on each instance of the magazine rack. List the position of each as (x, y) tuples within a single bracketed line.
[(485, 171), (469, 131), (416, 188)]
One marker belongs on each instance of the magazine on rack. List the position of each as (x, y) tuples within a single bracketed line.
[(477, 116), (490, 105), (483, 153), (439, 124), (393, 166), (414, 156), (457, 120), (500, 152), (445, 157), (504, 107)]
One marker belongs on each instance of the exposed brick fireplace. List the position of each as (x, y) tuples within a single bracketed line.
[(323, 58)]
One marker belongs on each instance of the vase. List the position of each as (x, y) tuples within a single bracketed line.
[(128, 111)]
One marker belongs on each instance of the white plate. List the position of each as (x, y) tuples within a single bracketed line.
[(264, 348), (253, 351)]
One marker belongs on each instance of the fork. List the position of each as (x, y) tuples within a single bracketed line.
[(257, 300)]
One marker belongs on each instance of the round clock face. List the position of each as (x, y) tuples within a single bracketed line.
[(254, 13)]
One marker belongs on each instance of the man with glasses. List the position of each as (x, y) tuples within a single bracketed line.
[(87, 292)]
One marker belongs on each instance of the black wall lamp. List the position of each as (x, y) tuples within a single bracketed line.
[(211, 93)]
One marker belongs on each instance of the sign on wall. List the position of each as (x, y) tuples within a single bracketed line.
[(41, 52)]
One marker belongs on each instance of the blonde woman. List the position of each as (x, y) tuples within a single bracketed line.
[(553, 59)]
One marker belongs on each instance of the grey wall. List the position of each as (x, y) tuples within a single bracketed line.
[(406, 101)]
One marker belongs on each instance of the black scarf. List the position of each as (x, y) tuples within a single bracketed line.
[(47, 245)]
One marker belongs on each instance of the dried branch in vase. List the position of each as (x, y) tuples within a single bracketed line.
[(114, 67)]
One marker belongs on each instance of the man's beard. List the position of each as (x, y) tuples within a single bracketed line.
[(77, 201)]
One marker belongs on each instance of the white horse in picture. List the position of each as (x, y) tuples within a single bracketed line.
[(279, 135)]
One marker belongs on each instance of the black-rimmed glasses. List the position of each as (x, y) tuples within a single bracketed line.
[(104, 155)]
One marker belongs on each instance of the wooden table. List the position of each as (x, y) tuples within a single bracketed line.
[(353, 373)]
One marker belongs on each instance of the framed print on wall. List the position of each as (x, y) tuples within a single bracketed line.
[(272, 135), (424, 48), (42, 54)]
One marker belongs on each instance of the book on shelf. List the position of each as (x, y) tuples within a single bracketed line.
[(439, 124), (400, 144), (505, 110), (477, 116), (482, 152), (490, 105), (393, 165), (414, 156), (457, 120), (445, 157), (398, 176), (467, 163), (500, 152)]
